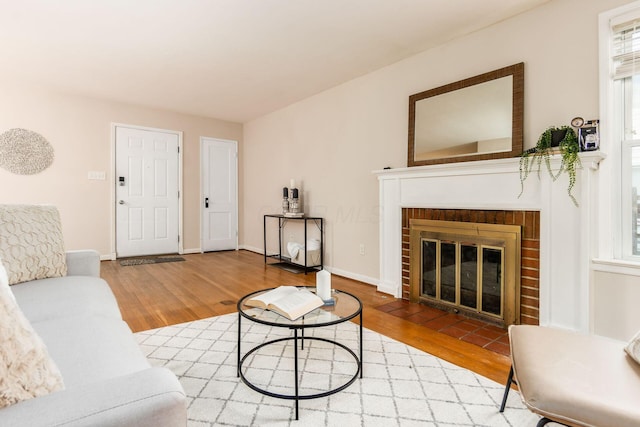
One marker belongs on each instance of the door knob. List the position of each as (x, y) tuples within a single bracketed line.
[(206, 202), (121, 202)]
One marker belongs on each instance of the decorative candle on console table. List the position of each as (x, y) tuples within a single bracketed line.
[(285, 200), (323, 285), (292, 183)]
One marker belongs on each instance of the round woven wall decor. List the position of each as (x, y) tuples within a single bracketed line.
[(24, 152)]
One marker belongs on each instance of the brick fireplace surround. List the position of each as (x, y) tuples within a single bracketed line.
[(530, 263)]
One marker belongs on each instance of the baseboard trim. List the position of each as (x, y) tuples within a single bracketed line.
[(252, 249), (113, 256), (388, 288), (191, 251), (354, 276)]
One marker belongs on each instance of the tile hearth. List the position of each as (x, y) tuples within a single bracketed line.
[(457, 326)]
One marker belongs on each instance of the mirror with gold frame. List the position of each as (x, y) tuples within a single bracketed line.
[(479, 118)]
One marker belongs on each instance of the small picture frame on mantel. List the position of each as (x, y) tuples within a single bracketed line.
[(589, 136)]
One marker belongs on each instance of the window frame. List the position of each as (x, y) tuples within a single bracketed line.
[(627, 202), (614, 234)]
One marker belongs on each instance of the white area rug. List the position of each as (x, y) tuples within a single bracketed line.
[(402, 386)]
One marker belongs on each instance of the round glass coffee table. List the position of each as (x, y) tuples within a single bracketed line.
[(347, 307)]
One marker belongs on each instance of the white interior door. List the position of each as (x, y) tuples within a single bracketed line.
[(219, 194), (147, 213)]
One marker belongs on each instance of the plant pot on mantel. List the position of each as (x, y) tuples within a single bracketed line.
[(557, 135), (553, 140)]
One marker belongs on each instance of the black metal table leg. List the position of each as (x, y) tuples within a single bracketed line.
[(280, 239), (321, 244), (264, 237), (238, 365), (295, 363), (361, 345)]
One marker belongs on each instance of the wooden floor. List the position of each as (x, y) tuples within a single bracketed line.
[(155, 295)]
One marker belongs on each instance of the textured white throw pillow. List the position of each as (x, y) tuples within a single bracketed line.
[(633, 348), (26, 370), (31, 243), (4, 280)]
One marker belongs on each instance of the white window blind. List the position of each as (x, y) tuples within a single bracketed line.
[(626, 49)]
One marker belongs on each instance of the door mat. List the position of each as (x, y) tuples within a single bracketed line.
[(149, 260)]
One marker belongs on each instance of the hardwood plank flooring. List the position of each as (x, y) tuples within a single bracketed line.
[(205, 285)]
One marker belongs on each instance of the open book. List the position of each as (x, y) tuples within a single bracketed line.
[(287, 301)]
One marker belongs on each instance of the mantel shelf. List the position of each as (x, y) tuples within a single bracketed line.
[(589, 159)]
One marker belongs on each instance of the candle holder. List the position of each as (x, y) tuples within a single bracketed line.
[(293, 204), (285, 201)]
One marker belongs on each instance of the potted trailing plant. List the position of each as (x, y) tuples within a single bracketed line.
[(555, 139)]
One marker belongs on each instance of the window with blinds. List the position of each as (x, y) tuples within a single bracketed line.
[(625, 56), (626, 49)]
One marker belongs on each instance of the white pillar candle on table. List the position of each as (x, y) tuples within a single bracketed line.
[(292, 183), (323, 284)]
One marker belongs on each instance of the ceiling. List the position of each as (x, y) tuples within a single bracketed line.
[(229, 59)]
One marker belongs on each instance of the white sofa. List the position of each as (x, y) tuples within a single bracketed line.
[(108, 381)]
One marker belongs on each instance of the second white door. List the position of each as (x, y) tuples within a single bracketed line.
[(219, 202), (147, 213)]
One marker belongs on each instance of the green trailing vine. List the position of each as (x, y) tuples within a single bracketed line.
[(568, 148)]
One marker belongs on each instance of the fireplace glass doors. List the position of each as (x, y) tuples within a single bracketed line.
[(467, 267), (463, 273)]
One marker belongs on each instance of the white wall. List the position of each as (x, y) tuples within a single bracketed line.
[(79, 129), (615, 311), (333, 141)]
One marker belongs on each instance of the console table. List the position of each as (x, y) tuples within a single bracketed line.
[(282, 222)]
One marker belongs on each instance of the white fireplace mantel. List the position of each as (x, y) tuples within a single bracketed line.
[(566, 237)]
